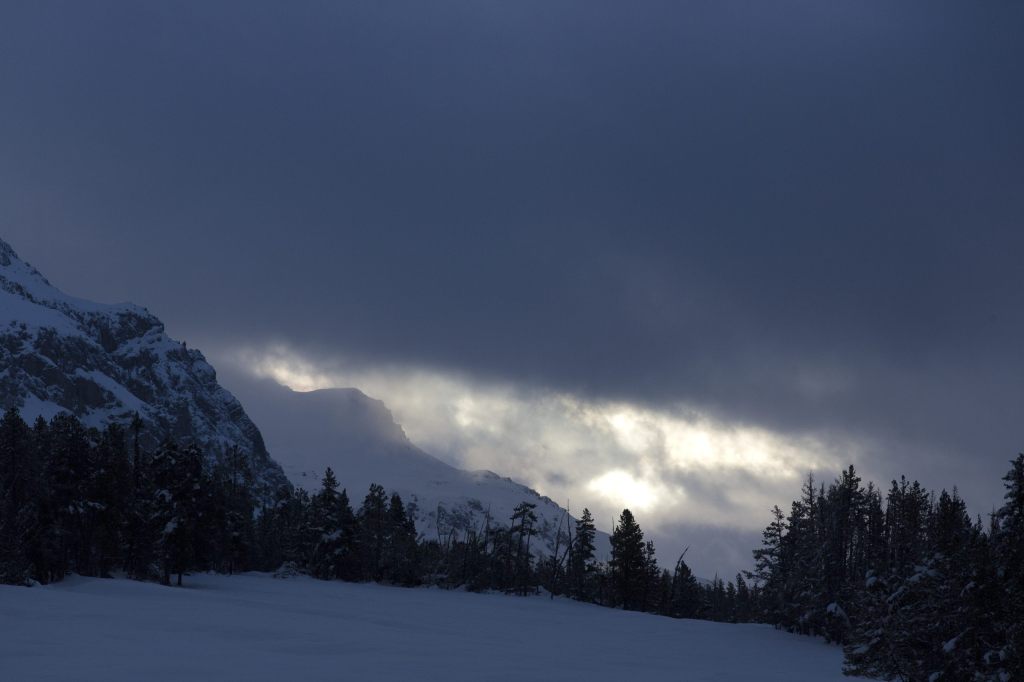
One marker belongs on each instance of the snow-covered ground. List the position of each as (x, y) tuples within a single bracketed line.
[(255, 627)]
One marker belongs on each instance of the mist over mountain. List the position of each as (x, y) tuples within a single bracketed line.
[(357, 437)]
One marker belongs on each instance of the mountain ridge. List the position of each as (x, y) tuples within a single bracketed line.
[(104, 363)]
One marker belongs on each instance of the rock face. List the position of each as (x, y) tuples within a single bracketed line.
[(105, 363)]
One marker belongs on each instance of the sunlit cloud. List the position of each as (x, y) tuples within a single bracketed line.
[(669, 465), (620, 488)]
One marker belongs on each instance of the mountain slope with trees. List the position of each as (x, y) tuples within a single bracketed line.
[(108, 364)]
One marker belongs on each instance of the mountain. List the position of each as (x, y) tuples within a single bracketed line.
[(359, 439), (105, 363)]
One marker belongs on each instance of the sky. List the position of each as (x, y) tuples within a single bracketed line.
[(672, 256)]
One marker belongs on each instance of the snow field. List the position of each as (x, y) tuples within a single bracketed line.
[(256, 627)]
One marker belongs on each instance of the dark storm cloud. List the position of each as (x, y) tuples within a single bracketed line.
[(800, 215)]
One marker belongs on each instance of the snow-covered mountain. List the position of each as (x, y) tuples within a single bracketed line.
[(104, 363), (359, 439)]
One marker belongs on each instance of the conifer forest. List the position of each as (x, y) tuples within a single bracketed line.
[(903, 579)]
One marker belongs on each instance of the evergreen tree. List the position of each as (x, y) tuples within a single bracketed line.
[(67, 462), (804, 599), (330, 547), (519, 560), (1009, 541), (628, 562), (46, 546), (20, 485), (771, 568), (744, 601), (233, 485), (140, 533), (686, 592), (109, 495), (582, 566), (984, 606), (347, 561), (650, 596), (177, 475), (373, 532), (868, 650), (401, 553), (285, 532), (841, 534)]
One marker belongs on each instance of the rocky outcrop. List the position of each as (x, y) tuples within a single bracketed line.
[(106, 363)]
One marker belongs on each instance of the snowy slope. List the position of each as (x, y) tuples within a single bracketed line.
[(254, 627), (103, 363), (357, 437)]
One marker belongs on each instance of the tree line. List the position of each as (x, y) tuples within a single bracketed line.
[(905, 580), (80, 500)]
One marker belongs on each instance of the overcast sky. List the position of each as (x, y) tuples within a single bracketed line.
[(792, 231)]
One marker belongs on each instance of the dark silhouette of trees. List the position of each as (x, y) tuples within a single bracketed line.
[(910, 585)]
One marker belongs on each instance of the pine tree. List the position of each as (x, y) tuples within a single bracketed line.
[(45, 550), (804, 601), (20, 483), (628, 562), (771, 568), (285, 532), (841, 536), (233, 484), (519, 559), (905, 526), (67, 473), (581, 559), (1009, 541), (952, 623), (347, 564), (400, 563), (686, 592), (373, 532), (744, 601), (649, 599), (140, 533), (177, 475), (664, 594), (329, 546), (984, 607), (868, 649), (109, 494)]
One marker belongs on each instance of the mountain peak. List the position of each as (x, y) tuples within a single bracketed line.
[(7, 253), (106, 363), (14, 268)]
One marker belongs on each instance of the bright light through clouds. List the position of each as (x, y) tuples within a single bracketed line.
[(623, 490), (671, 466)]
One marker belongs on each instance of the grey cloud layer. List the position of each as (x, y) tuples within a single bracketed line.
[(802, 216), (691, 479)]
